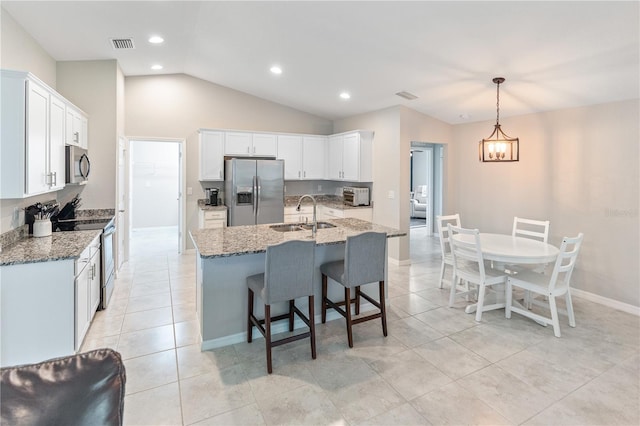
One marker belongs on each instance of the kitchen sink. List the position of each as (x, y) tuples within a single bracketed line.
[(320, 225), (292, 227), (287, 227)]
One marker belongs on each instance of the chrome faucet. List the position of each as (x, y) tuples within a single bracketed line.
[(314, 227)]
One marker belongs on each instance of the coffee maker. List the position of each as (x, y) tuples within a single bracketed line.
[(212, 196)]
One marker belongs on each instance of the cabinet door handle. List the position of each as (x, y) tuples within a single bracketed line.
[(248, 150), (298, 173), (55, 178), (220, 173), (254, 149), (304, 174), (76, 137)]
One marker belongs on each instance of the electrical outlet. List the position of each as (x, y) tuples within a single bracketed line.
[(189, 190), (15, 220)]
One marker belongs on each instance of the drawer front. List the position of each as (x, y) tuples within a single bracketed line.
[(213, 215), (214, 224), (329, 212)]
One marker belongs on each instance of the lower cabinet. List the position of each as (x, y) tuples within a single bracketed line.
[(47, 307), (333, 213), (209, 219), (87, 290)]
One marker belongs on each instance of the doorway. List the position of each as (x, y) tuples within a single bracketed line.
[(156, 188), (425, 184)]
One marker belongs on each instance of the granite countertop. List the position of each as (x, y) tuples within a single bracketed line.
[(239, 240), (333, 201), (202, 205), (58, 246)]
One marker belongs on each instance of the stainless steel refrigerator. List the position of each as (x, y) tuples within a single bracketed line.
[(254, 191)]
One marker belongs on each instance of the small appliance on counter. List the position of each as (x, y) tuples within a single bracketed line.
[(355, 196), (212, 196)]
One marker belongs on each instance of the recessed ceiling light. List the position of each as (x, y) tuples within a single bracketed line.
[(156, 39), (345, 95), (156, 67), (276, 69)]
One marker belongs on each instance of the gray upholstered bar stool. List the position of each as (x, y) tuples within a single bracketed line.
[(364, 263), (288, 275)]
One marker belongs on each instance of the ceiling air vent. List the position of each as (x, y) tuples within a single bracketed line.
[(122, 43), (407, 95)]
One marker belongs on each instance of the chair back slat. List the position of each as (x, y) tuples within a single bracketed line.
[(468, 250), (443, 231), (364, 259), (530, 228), (566, 261), (288, 272)]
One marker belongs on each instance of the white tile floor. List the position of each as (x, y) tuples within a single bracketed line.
[(437, 366)]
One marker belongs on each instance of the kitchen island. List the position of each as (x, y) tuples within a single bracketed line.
[(225, 257)]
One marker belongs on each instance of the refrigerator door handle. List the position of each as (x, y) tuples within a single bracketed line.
[(258, 186)]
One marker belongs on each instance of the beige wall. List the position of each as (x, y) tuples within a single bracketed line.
[(394, 129), (19, 51), (176, 106), (579, 168), (93, 87)]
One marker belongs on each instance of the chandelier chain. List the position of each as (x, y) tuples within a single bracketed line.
[(498, 105)]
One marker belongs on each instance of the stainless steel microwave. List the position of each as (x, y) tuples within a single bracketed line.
[(78, 166)]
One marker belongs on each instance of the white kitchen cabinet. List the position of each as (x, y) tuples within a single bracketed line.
[(304, 156), (95, 277), (211, 219), (290, 150), (313, 157), (77, 128), (32, 136), (265, 145), (211, 147), (326, 212), (250, 144), (87, 290), (82, 307), (350, 157), (46, 306), (57, 126)]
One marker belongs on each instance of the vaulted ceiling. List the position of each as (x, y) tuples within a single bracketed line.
[(553, 54)]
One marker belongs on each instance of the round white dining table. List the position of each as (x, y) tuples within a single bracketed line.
[(511, 250), (504, 250)]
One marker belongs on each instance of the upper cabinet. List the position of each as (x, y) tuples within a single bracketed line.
[(33, 136), (211, 148), (304, 156), (250, 144), (343, 157), (77, 128), (350, 156)]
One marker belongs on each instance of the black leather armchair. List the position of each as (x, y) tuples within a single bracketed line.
[(82, 389)]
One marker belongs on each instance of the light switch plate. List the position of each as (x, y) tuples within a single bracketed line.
[(189, 190), (391, 195)]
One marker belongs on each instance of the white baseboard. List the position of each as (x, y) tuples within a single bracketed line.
[(280, 327), (397, 262), (615, 304)]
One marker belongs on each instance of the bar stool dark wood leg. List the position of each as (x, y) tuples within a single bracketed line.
[(267, 336), (324, 299), (312, 327), (347, 304), (291, 305), (358, 300), (249, 324), (383, 309)]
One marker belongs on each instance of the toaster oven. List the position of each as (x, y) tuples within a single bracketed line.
[(355, 196)]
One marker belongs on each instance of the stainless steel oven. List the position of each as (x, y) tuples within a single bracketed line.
[(108, 263), (107, 250)]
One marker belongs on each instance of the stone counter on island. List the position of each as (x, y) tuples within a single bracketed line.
[(225, 257)]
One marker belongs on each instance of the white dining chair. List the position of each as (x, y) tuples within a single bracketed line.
[(530, 228), (557, 284), (469, 265), (536, 230), (445, 247)]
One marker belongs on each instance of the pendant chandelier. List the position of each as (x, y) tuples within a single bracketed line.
[(498, 147)]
